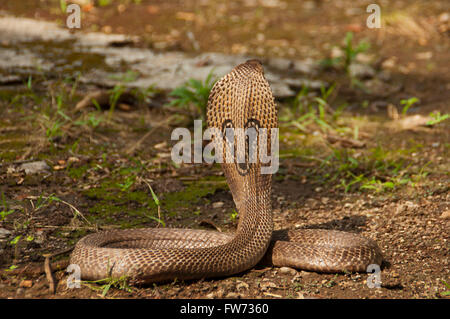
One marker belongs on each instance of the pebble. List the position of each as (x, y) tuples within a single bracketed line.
[(233, 295), (361, 71), (217, 204), (4, 233), (34, 167), (265, 285), (26, 284), (446, 214), (242, 285), (287, 271)]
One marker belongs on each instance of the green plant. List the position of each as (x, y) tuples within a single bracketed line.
[(379, 170), (407, 103), (194, 92), (437, 118), (129, 181), (106, 284), (29, 83), (447, 292), (15, 240), (5, 211), (233, 215), (104, 3), (158, 204), (306, 111), (349, 53)]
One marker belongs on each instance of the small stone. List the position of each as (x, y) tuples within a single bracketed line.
[(265, 285), (4, 233), (361, 71), (446, 214), (232, 295), (219, 293), (34, 167), (444, 17), (242, 285), (287, 271), (304, 273), (307, 66), (26, 284), (73, 159), (160, 146), (280, 63), (217, 204)]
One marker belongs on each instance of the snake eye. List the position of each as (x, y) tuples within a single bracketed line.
[(243, 168)]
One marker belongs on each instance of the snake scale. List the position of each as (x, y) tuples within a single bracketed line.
[(241, 98)]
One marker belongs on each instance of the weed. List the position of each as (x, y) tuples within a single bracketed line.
[(407, 103), (379, 170), (63, 5), (5, 211), (349, 53), (106, 284), (447, 292), (306, 111), (127, 184), (158, 204), (233, 215), (194, 92), (437, 118)]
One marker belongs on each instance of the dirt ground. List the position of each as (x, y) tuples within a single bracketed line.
[(98, 176)]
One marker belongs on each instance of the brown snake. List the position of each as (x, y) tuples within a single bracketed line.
[(152, 254)]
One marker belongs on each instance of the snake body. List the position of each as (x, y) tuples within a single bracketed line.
[(242, 98)]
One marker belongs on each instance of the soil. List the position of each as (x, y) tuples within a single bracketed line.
[(91, 168)]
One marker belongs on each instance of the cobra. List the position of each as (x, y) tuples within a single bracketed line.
[(147, 255)]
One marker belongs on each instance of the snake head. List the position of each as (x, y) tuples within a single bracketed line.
[(256, 64)]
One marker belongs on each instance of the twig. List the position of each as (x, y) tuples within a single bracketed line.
[(206, 222), (48, 268), (146, 135), (66, 203)]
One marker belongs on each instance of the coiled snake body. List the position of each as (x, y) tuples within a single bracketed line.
[(241, 98)]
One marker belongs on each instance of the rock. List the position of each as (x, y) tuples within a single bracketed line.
[(307, 66), (299, 83), (26, 284), (4, 233), (410, 122), (287, 271), (446, 214), (217, 204), (444, 17), (265, 285), (280, 63), (361, 71), (10, 79), (242, 285), (34, 167)]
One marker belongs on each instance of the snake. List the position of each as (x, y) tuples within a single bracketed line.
[(240, 99)]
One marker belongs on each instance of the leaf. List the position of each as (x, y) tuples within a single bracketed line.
[(155, 198), (158, 220)]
